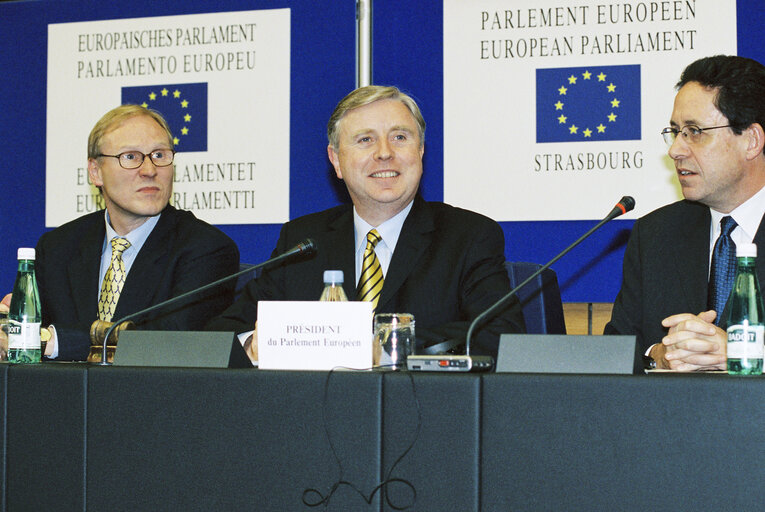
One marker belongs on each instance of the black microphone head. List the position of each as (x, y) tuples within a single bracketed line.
[(307, 246), (628, 203), (624, 205)]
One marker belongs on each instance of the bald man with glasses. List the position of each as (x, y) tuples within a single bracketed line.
[(138, 251), (680, 260)]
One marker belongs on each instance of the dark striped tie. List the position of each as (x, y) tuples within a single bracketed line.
[(371, 280), (723, 268)]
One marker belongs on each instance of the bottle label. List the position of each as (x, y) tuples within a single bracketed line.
[(745, 341), (23, 335)]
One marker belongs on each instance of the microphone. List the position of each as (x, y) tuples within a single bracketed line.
[(305, 247), (625, 204), (482, 363)]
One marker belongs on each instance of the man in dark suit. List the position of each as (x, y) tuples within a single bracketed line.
[(440, 263), (716, 141), (167, 251)]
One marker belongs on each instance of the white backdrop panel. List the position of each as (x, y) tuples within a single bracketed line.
[(517, 72)]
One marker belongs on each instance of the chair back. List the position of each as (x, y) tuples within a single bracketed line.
[(540, 298)]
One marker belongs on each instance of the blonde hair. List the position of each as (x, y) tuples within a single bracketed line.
[(115, 117), (366, 95)]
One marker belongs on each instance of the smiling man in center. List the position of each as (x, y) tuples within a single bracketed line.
[(445, 265)]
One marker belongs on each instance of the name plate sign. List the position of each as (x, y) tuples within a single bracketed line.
[(300, 335)]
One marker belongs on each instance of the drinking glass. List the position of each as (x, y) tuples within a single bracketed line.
[(393, 339)]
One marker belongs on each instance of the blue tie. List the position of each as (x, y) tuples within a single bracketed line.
[(723, 271)]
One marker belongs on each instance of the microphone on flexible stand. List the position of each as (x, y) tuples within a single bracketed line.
[(305, 247), (467, 362)]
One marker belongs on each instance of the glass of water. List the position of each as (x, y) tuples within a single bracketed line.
[(393, 339)]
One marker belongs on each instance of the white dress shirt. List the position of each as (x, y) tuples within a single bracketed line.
[(747, 215), (389, 232)]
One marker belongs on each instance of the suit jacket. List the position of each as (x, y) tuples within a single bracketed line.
[(181, 253), (446, 269), (666, 271)]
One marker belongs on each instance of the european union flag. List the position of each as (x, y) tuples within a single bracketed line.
[(588, 104), (184, 107)]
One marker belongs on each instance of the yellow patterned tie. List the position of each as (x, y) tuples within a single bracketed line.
[(371, 280), (113, 280)]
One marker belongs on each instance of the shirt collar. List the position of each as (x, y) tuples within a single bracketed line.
[(389, 230), (137, 237), (747, 215)]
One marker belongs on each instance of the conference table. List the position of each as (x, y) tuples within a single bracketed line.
[(80, 437)]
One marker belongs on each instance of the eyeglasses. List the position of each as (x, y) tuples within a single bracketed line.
[(134, 159), (691, 133)]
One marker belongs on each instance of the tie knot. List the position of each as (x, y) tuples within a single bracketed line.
[(119, 245), (373, 237), (727, 225)]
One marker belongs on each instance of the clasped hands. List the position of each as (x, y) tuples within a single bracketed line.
[(692, 343)]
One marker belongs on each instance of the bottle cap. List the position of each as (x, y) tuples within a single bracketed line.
[(333, 277), (26, 253), (746, 250)]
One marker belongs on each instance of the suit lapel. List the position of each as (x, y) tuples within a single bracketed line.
[(691, 259), (340, 250), (413, 242), (83, 271)]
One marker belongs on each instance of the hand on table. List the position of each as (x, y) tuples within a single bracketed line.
[(693, 342), (251, 345)]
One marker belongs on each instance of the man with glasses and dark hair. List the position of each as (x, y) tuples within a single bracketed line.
[(680, 260), (139, 251)]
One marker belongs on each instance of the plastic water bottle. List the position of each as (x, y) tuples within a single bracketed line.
[(746, 330), (24, 315), (333, 287)]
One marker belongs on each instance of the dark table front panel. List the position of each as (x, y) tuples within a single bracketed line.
[(120, 438), (3, 407), (442, 465), (162, 439), (660, 442), (45, 443)]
